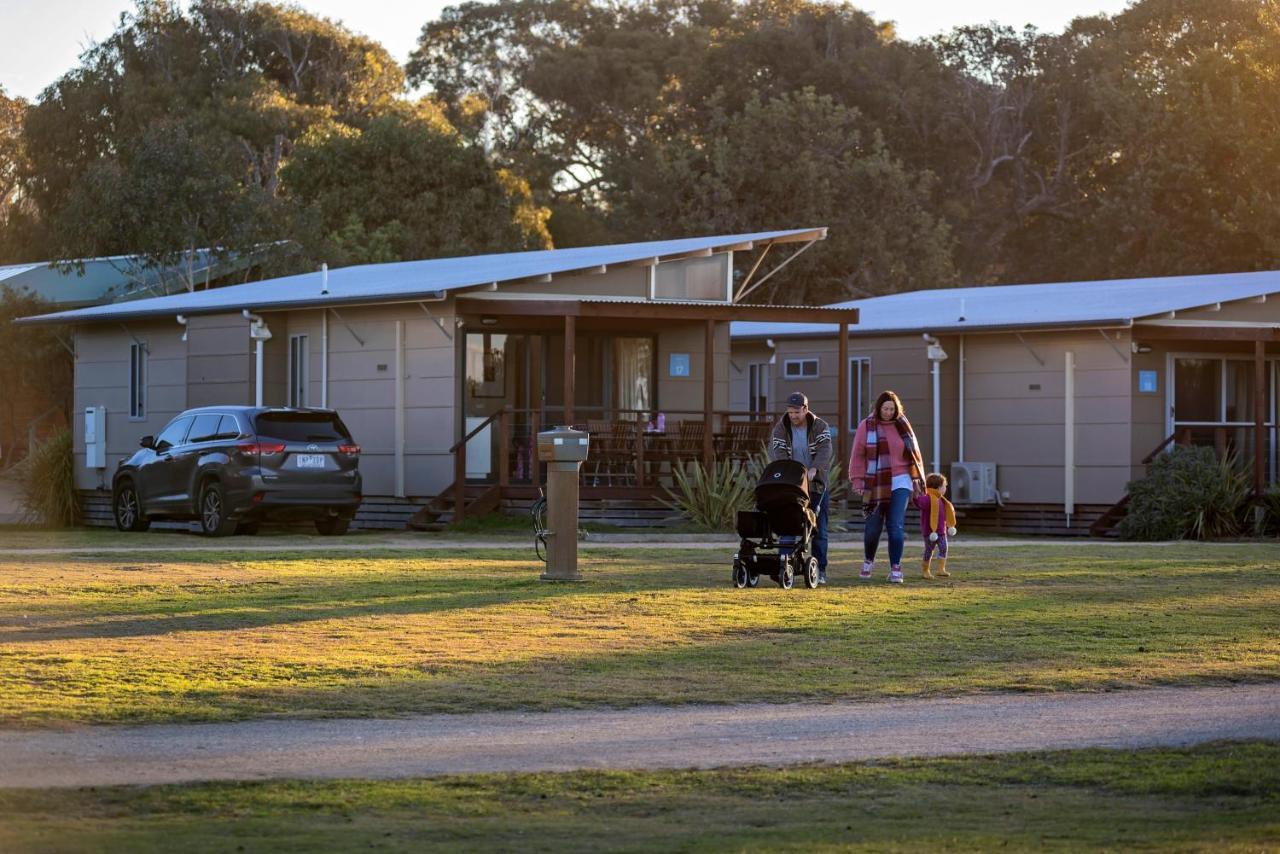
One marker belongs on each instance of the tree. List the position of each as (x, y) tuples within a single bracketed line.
[(170, 135), (407, 186), (797, 160), (20, 237)]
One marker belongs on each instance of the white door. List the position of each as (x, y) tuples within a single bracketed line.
[(758, 388)]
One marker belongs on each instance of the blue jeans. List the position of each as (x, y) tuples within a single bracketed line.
[(896, 509), (820, 536)]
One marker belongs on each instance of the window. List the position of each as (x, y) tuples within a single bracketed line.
[(860, 395), (693, 279), (800, 369), (298, 374), (173, 435), (137, 381), (302, 427), (228, 428), (205, 428)]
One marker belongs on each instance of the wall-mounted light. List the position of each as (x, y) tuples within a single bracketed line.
[(489, 321), (1141, 348)]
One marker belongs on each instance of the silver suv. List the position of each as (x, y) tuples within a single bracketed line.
[(231, 467)]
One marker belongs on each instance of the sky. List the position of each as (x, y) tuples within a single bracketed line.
[(41, 39)]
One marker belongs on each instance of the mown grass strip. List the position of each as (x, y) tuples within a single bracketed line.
[(1221, 797)]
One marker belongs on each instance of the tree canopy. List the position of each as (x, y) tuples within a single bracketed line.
[(1143, 143)]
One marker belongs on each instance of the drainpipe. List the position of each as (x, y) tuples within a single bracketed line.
[(937, 356), (960, 426), (324, 338), (1069, 446), (259, 334)]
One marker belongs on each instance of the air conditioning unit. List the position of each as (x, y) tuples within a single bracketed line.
[(973, 483)]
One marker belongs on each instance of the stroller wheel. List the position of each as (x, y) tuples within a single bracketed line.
[(786, 575), (740, 576), (753, 579), (811, 573)]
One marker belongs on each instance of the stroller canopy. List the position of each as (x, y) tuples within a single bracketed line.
[(782, 493)]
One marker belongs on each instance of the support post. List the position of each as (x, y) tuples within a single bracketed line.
[(1069, 446), (504, 447), (399, 425), (1259, 414), (708, 390), (843, 418), (570, 331), (324, 358), (257, 373)]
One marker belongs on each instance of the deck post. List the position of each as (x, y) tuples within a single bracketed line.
[(843, 419), (1259, 414), (570, 330), (708, 391)]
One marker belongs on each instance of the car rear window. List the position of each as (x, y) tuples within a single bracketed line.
[(302, 426)]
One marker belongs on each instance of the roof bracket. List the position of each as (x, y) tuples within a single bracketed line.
[(793, 256), (1033, 353), (136, 340), (438, 322), (347, 325), (756, 266), (1124, 357)]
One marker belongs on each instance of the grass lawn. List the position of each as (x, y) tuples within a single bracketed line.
[(153, 637), (1222, 797)]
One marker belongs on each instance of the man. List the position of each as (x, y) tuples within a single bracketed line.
[(802, 436)]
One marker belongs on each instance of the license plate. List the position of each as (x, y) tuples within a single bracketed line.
[(310, 461)]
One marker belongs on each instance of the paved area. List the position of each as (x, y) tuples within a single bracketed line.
[(11, 512), (651, 737)]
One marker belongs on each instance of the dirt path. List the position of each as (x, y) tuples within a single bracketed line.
[(651, 737)]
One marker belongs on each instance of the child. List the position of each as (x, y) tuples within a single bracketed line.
[(937, 522)]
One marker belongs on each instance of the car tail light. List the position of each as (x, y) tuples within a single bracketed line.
[(256, 448), (349, 449)]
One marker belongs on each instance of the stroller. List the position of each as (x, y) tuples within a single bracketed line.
[(776, 535)]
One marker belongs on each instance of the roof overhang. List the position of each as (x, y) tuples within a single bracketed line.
[(951, 329), (651, 310)]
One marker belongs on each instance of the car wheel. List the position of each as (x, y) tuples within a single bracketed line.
[(247, 529), (332, 526), (127, 509), (213, 512)]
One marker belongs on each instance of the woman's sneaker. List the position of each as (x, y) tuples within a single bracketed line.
[(867, 566), (895, 575)]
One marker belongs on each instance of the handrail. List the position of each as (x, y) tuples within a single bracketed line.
[(1151, 456), (483, 424)]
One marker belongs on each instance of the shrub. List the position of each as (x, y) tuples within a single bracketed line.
[(1267, 522), (710, 498), (1188, 493), (48, 484)]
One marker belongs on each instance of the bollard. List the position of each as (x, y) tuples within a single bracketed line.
[(563, 450)]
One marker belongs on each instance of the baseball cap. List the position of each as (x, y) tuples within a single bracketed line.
[(797, 399)]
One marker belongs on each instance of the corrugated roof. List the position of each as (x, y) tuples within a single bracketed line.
[(409, 280), (91, 281), (1110, 302)]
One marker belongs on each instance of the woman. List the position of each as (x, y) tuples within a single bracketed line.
[(886, 468)]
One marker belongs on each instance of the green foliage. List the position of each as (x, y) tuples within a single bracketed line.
[(1188, 493), (710, 498), (1267, 508), (48, 484), (35, 371), (407, 186)]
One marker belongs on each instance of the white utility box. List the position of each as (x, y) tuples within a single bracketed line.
[(973, 483), (95, 437)]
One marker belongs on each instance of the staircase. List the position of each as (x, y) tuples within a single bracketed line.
[(441, 510)]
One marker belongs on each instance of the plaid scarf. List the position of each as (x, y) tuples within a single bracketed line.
[(879, 462)]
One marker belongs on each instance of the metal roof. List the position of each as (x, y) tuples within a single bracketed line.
[(414, 280), (93, 281), (1114, 302)]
